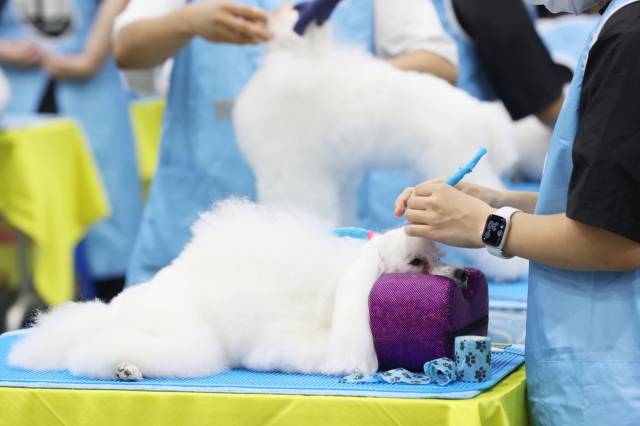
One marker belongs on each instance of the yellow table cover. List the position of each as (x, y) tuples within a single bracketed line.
[(50, 189), (502, 405), (146, 121)]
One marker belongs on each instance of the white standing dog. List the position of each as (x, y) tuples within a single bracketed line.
[(315, 117), (258, 287)]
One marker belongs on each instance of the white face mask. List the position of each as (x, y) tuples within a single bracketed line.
[(574, 6)]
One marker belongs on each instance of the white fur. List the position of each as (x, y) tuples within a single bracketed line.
[(265, 288), (533, 142), (314, 118)]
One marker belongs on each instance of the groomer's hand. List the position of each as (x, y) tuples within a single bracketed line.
[(20, 54), (445, 214), (488, 195), (225, 22)]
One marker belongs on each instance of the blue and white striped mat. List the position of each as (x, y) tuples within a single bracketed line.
[(244, 381)]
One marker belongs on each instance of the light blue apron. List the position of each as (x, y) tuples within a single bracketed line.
[(471, 75), (100, 104), (200, 162), (583, 328)]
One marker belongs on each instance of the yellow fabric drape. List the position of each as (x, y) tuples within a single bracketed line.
[(503, 405), (146, 121), (50, 189)]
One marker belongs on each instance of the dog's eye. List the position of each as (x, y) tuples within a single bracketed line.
[(416, 262)]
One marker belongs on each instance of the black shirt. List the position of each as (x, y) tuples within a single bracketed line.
[(524, 76), (605, 182)]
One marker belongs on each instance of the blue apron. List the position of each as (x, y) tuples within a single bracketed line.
[(100, 104), (199, 160), (583, 328), (471, 75)]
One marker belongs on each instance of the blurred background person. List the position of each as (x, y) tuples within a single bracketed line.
[(502, 57), (199, 161), (56, 55)]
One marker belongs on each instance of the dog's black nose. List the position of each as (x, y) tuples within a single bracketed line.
[(461, 275)]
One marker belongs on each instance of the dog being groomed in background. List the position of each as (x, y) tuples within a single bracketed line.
[(259, 287), (315, 118)]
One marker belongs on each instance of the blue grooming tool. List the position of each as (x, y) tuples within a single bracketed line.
[(454, 179), (466, 169)]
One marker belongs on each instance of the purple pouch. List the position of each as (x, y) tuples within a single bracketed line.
[(416, 318)]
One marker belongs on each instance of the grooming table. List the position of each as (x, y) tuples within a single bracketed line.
[(243, 397)]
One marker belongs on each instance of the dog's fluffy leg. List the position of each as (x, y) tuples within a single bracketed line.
[(47, 345), (351, 347), (192, 352)]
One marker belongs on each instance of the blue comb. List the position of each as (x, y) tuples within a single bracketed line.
[(466, 169)]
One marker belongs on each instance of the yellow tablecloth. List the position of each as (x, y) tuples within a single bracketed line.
[(503, 405), (146, 121), (51, 190)]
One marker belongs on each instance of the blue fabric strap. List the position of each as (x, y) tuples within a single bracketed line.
[(358, 233), (441, 370)]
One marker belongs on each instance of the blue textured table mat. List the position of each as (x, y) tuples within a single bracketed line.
[(244, 381)]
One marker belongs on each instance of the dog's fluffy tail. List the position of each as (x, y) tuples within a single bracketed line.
[(46, 346)]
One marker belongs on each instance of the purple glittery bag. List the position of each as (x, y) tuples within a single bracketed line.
[(416, 318)]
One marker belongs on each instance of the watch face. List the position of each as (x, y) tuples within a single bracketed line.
[(494, 230)]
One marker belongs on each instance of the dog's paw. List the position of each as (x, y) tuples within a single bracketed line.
[(128, 373)]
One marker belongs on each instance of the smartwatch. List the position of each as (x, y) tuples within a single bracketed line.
[(494, 235)]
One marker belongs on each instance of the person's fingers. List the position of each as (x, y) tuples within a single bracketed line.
[(439, 179), (401, 202), (417, 216), (226, 35), (248, 13), (423, 231), (418, 203), (426, 189), (243, 28)]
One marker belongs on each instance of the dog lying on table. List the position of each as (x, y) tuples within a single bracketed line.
[(257, 287)]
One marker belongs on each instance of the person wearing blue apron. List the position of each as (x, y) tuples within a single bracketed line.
[(51, 70), (581, 233), (199, 161)]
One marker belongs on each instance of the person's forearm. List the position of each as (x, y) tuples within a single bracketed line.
[(426, 62), (559, 241), (149, 42), (98, 44), (522, 200)]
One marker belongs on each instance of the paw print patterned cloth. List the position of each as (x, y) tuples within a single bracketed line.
[(472, 364), (442, 371)]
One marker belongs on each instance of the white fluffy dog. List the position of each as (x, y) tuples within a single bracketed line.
[(258, 287), (314, 118)]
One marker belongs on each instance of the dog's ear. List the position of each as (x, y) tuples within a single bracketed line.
[(351, 347)]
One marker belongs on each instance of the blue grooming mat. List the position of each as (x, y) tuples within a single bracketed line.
[(244, 381)]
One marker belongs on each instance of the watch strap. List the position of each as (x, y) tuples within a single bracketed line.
[(505, 212)]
